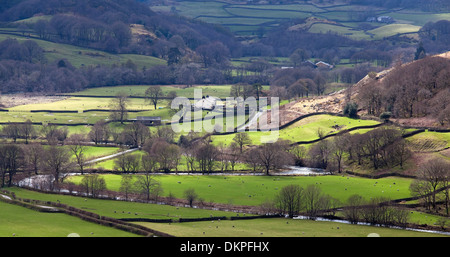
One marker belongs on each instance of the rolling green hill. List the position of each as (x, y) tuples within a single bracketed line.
[(80, 56)]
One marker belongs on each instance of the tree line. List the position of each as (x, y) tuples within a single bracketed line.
[(24, 68), (435, 36), (293, 200), (431, 187), (380, 147)]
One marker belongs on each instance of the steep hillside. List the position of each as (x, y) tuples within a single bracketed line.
[(414, 94)]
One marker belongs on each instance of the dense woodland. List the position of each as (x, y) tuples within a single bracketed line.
[(419, 89)]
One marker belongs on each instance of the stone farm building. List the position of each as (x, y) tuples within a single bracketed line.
[(149, 120)]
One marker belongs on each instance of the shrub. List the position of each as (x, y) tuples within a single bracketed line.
[(351, 110), (385, 116)]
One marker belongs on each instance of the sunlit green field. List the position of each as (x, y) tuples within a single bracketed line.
[(25, 222), (91, 152), (394, 29), (110, 164), (220, 91), (254, 190), (303, 130), (429, 141), (80, 106), (123, 209), (279, 227), (79, 56), (83, 103)]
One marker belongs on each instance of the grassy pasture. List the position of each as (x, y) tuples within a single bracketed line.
[(305, 8), (303, 130), (394, 29), (195, 9), (23, 222), (418, 18), (429, 141), (267, 13), (109, 165), (22, 113), (122, 209), (341, 30), (92, 152), (79, 56), (254, 190), (220, 91), (45, 117), (82, 103), (278, 227)]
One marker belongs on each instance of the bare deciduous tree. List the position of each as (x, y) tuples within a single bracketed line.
[(56, 161), (312, 197), (78, 148), (290, 200), (433, 173), (11, 161), (33, 156), (127, 163), (206, 155), (272, 156), (147, 186), (100, 132), (93, 184), (126, 185), (154, 94), (165, 154), (338, 150), (190, 196), (135, 134), (352, 210), (27, 131), (119, 107), (242, 139)]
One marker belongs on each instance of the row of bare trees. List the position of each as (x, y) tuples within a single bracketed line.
[(293, 200), (375, 211), (433, 184), (34, 159), (201, 155), (377, 148), (50, 133), (381, 147)]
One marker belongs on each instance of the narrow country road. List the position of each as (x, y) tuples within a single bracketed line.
[(111, 156)]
